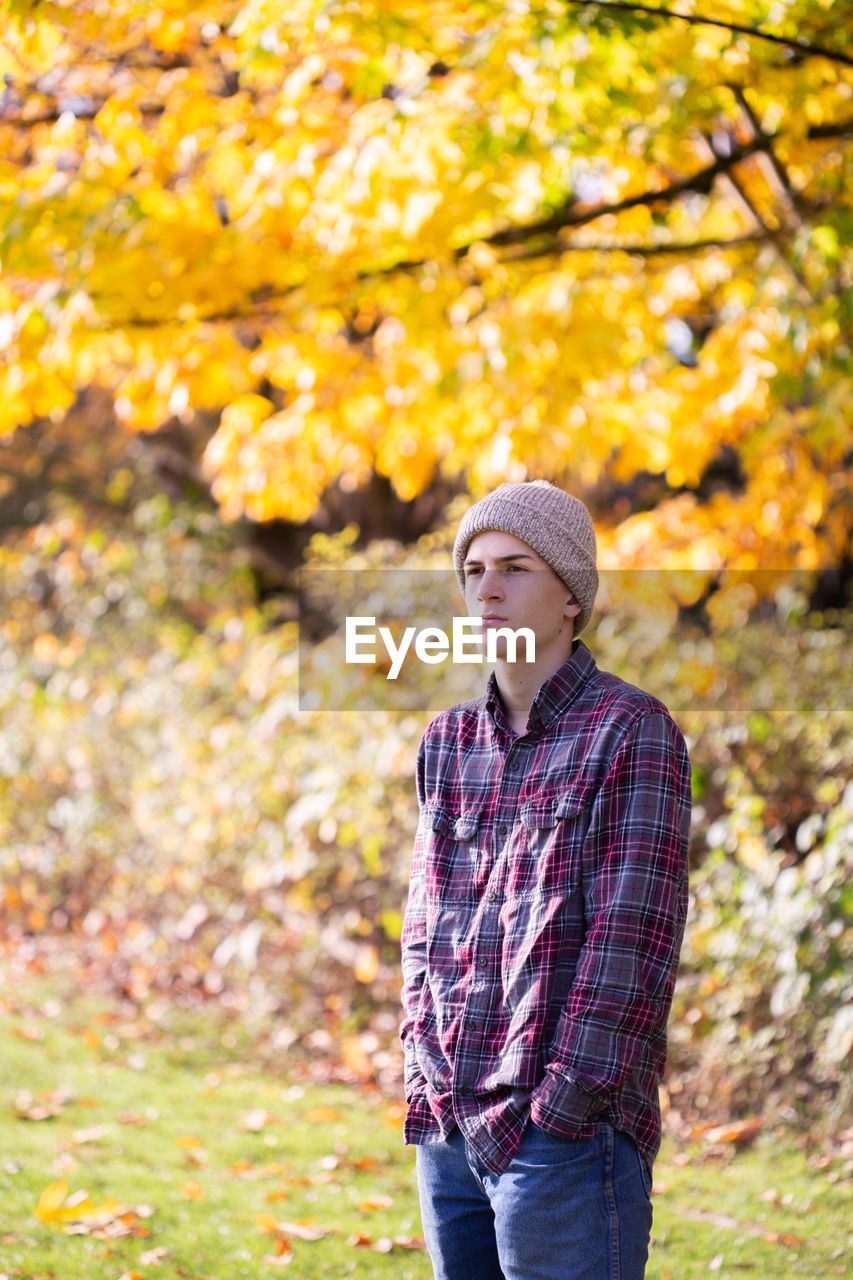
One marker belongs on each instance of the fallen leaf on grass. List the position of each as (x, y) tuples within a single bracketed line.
[(251, 1172), (48, 1106), (729, 1223), (153, 1257), (29, 1033), (77, 1214), (256, 1120), (375, 1202), (192, 1191), (132, 1117), (323, 1115), (305, 1230), (738, 1132), (384, 1244), (188, 1141), (94, 1133), (409, 1242)]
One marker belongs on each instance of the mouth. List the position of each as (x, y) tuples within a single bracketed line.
[(491, 617)]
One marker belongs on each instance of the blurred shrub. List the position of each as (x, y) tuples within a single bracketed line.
[(162, 799), (168, 813), (763, 1017)]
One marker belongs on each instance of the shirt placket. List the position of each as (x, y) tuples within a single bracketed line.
[(473, 1049)]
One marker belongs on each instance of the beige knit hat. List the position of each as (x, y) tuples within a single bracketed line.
[(550, 521)]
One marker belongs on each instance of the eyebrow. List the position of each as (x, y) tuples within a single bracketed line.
[(518, 555)]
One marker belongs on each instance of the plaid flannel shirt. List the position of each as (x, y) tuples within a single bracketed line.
[(546, 909)]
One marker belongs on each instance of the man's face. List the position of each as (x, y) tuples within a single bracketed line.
[(508, 584)]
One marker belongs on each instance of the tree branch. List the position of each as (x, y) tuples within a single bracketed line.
[(570, 216), (256, 310), (837, 129), (558, 248), (799, 45), (56, 113), (780, 173)]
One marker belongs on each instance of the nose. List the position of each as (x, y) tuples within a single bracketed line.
[(491, 585)]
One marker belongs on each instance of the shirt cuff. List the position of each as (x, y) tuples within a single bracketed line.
[(413, 1080), (560, 1105)]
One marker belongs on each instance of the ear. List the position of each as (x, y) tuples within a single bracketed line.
[(572, 608)]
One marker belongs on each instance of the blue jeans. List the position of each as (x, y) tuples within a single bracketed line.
[(563, 1210)]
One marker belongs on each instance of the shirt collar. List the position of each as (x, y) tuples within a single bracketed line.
[(555, 695)]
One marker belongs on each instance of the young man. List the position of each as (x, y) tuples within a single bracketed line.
[(546, 910)]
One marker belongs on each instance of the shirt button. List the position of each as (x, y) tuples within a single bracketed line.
[(502, 829), (492, 896), (481, 962)]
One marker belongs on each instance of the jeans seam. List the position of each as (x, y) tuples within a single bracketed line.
[(610, 1200)]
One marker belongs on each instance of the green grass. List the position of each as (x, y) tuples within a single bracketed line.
[(217, 1146)]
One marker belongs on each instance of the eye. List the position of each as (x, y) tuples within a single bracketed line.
[(471, 571), (516, 568)]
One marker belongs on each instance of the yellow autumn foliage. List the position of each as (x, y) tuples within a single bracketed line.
[(447, 242)]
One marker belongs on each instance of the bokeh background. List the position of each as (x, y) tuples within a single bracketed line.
[(286, 284)]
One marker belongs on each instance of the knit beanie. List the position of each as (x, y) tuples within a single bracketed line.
[(550, 521)]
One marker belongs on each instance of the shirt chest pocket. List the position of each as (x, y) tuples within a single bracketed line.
[(549, 845), (454, 852)]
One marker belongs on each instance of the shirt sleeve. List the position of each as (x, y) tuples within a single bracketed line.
[(635, 903), (413, 941)]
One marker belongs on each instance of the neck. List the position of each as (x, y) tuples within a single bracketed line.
[(519, 683)]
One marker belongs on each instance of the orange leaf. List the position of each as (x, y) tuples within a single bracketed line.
[(395, 1115), (323, 1115), (29, 1033), (375, 1202), (367, 965), (409, 1242), (304, 1230), (737, 1132)]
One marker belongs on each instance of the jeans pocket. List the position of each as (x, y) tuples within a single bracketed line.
[(645, 1171), (540, 1147)]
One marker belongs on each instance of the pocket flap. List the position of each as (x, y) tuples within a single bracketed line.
[(539, 815), (461, 826), (546, 811), (575, 798)]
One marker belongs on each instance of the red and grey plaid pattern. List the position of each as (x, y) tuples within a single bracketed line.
[(546, 910)]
